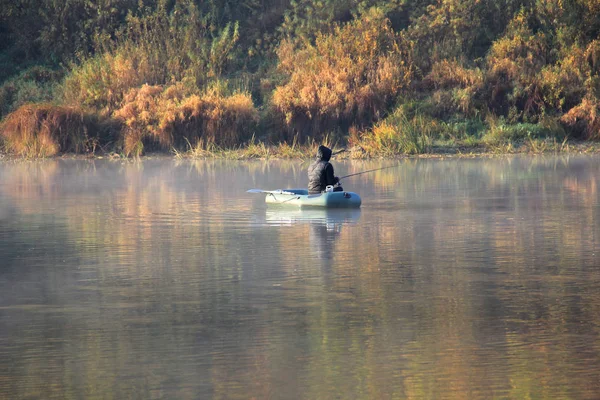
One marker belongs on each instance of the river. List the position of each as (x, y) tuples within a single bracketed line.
[(473, 278)]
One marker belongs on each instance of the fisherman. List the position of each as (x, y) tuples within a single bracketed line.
[(320, 173)]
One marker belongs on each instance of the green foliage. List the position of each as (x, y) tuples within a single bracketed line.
[(303, 20), (398, 134), (36, 84), (156, 48), (502, 133), (55, 31)]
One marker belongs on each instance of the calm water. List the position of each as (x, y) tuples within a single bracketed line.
[(458, 279)]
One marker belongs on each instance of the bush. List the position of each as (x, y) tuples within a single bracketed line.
[(448, 74), (398, 134), (513, 64), (158, 48), (41, 130), (502, 133), (584, 119), (34, 85), (165, 117), (347, 78)]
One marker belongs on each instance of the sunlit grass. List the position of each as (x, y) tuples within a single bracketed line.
[(348, 76), (255, 149), (397, 134), (43, 130), (585, 118), (172, 117)]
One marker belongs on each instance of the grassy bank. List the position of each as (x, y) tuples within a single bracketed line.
[(284, 151), (264, 151), (45, 130)]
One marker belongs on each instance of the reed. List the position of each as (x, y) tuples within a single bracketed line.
[(397, 134), (255, 149), (546, 145), (157, 117), (448, 74), (42, 130), (584, 119), (348, 77), (157, 47)]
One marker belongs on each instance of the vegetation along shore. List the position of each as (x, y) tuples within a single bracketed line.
[(274, 78)]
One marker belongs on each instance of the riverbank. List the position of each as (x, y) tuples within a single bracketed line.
[(262, 151), (357, 152)]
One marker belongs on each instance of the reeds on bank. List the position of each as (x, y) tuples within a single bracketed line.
[(157, 117), (150, 118), (157, 86), (41, 130), (348, 77)]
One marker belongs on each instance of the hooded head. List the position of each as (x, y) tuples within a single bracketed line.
[(324, 153)]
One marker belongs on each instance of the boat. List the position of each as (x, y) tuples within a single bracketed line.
[(301, 198)]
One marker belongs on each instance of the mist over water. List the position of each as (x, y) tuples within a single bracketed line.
[(162, 279)]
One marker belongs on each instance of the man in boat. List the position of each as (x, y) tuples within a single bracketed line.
[(320, 173)]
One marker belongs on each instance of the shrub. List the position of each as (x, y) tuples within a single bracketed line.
[(449, 29), (158, 48), (592, 56), (584, 119), (513, 63), (448, 74), (455, 89), (502, 133), (156, 116), (563, 85), (40, 130), (101, 81), (34, 85), (398, 134), (346, 78)]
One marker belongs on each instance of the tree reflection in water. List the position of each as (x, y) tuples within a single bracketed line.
[(459, 278)]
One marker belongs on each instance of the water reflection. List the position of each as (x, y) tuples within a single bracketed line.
[(473, 278), (325, 225), (290, 216)]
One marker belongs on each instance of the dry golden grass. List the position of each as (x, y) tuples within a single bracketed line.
[(169, 117), (448, 74), (349, 76), (585, 118), (255, 149), (41, 130), (155, 47), (102, 81)]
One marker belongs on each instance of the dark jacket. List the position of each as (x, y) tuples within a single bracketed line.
[(320, 172)]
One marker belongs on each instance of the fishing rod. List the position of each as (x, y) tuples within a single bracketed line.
[(364, 172)]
